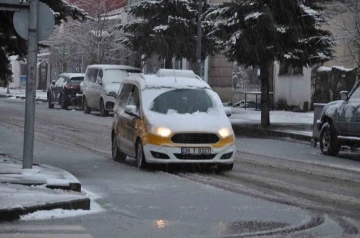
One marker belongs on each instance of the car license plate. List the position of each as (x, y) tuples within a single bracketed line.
[(196, 150)]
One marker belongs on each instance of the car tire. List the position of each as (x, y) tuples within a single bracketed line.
[(50, 105), (117, 155), (220, 168), (140, 157), (64, 104), (86, 108), (103, 112), (329, 144)]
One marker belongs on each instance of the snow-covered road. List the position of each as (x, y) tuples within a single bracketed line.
[(320, 199)]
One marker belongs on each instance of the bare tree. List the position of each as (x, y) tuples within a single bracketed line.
[(77, 44), (344, 15)]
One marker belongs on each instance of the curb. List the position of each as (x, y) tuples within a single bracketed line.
[(271, 132), (74, 183), (14, 214), (21, 97)]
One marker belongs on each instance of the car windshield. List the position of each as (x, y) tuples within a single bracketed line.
[(76, 80), (116, 75), (182, 101)]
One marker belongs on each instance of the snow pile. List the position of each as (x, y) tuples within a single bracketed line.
[(61, 213), (324, 69), (254, 16), (241, 115)]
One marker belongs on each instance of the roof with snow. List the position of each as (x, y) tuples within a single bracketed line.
[(72, 75), (163, 79), (112, 66)]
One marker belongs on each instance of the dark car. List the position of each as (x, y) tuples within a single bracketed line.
[(65, 90), (339, 124)]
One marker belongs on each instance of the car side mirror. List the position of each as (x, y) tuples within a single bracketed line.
[(228, 111), (132, 111), (344, 95)]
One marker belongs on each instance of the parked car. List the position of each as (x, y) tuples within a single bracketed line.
[(162, 119), (339, 123), (101, 83), (242, 104), (65, 90)]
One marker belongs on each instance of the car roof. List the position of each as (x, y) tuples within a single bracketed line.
[(165, 81), (72, 75), (112, 66)]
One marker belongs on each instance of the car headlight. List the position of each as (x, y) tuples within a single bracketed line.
[(112, 94), (161, 131), (225, 132)]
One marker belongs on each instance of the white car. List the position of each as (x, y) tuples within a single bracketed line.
[(170, 118), (101, 83)]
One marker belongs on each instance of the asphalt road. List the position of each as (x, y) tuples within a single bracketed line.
[(277, 187)]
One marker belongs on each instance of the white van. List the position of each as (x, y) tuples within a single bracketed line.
[(101, 83)]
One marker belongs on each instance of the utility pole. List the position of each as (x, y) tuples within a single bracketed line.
[(28, 149), (198, 46)]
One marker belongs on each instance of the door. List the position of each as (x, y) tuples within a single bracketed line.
[(131, 121), (98, 87), (122, 124), (92, 87), (57, 89), (349, 114)]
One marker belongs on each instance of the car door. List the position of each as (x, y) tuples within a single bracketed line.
[(122, 117), (131, 121), (349, 114), (57, 89), (98, 87)]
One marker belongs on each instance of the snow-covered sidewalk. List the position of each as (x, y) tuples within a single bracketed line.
[(23, 191), (21, 94), (251, 116)]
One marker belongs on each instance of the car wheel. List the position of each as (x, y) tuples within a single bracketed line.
[(140, 157), (220, 168), (50, 105), (64, 104), (329, 144), (86, 108), (117, 155), (103, 112)]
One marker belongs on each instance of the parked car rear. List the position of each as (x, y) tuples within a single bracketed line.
[(65, 90)]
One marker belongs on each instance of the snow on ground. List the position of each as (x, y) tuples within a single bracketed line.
[(241, 115), (40, 94), (61, 213)]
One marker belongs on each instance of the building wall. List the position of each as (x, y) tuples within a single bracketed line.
[(220, 77), (294, 89)]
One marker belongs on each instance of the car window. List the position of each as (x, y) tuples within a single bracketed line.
[(76, 80), (355, 95), (183, 101), (124, 95), (60, 81), (91, 74), (134, 98)]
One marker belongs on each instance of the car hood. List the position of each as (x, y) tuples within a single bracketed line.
[(112, 87), (197, 122), (330, 108)]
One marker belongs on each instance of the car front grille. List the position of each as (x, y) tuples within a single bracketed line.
[(195, 138), (195, 157)]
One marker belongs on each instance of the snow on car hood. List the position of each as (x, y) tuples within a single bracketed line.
[(112, 87), (211, 121), (331, 108)]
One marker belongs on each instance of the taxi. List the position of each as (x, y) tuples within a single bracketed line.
[(172, 117)]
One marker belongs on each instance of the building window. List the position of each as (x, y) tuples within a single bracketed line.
[(23, 69), (287, 68)]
